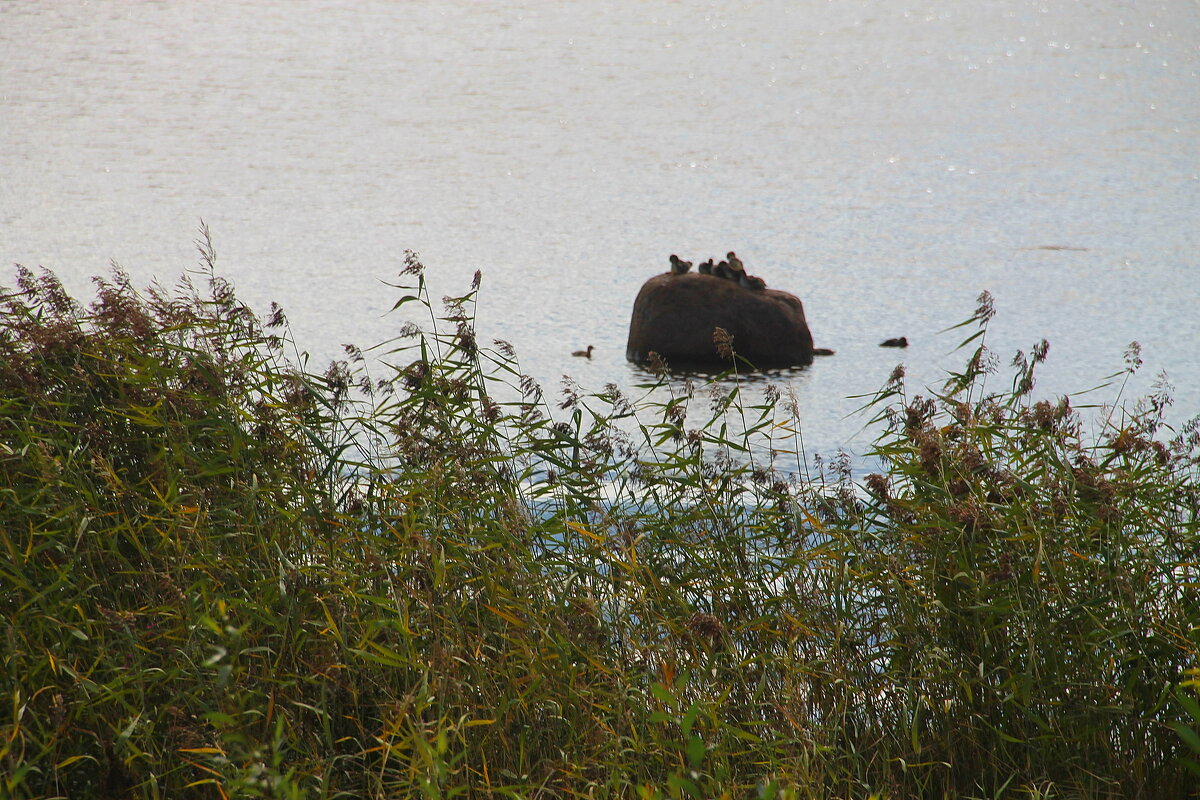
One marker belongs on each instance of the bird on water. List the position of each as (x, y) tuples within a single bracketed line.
[(584, 353), (901, 341), (678, 265)]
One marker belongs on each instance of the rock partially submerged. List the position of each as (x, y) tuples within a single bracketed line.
[(675, 316)]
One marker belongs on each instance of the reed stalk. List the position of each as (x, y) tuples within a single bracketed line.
[(224, 576)]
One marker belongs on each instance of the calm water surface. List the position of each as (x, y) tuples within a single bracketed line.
[(885, 161)]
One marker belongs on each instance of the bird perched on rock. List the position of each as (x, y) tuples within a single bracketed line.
[(722, 271), (705, 267), (584, 353), (678, 265), (735, 263), (751, 282), (901, 341)]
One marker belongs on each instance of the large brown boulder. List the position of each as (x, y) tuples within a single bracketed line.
[(675, 315)]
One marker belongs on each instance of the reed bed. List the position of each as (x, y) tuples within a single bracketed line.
[(224, 576)]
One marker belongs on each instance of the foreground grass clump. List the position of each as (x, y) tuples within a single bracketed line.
[(223, 577)]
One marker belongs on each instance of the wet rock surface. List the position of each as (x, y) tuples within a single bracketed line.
[(675, 316)]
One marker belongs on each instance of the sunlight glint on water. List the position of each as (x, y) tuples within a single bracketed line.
[(884, 164)]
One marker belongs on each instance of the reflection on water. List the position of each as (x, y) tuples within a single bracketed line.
[(884, 163), (642, 375)]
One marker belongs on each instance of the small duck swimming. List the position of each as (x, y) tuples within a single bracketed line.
[(678, 265), (901, 341), (584, 353), (705, 267), (751, 282)]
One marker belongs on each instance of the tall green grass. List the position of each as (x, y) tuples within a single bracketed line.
[(225, 577)]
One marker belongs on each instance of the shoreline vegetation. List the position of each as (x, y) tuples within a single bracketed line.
[(225, 577)]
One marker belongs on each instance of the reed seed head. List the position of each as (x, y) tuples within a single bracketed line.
[(724, 343), (705, 626)]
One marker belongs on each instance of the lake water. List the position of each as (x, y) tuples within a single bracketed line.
[(885, 161)]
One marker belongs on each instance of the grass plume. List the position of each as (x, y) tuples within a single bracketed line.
[(226, 577)]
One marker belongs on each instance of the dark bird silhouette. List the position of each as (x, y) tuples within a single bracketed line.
[(901, 341), (751, 282), (678, 265), (705, 267), (735, 263), (584, 353), (722, 271)]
